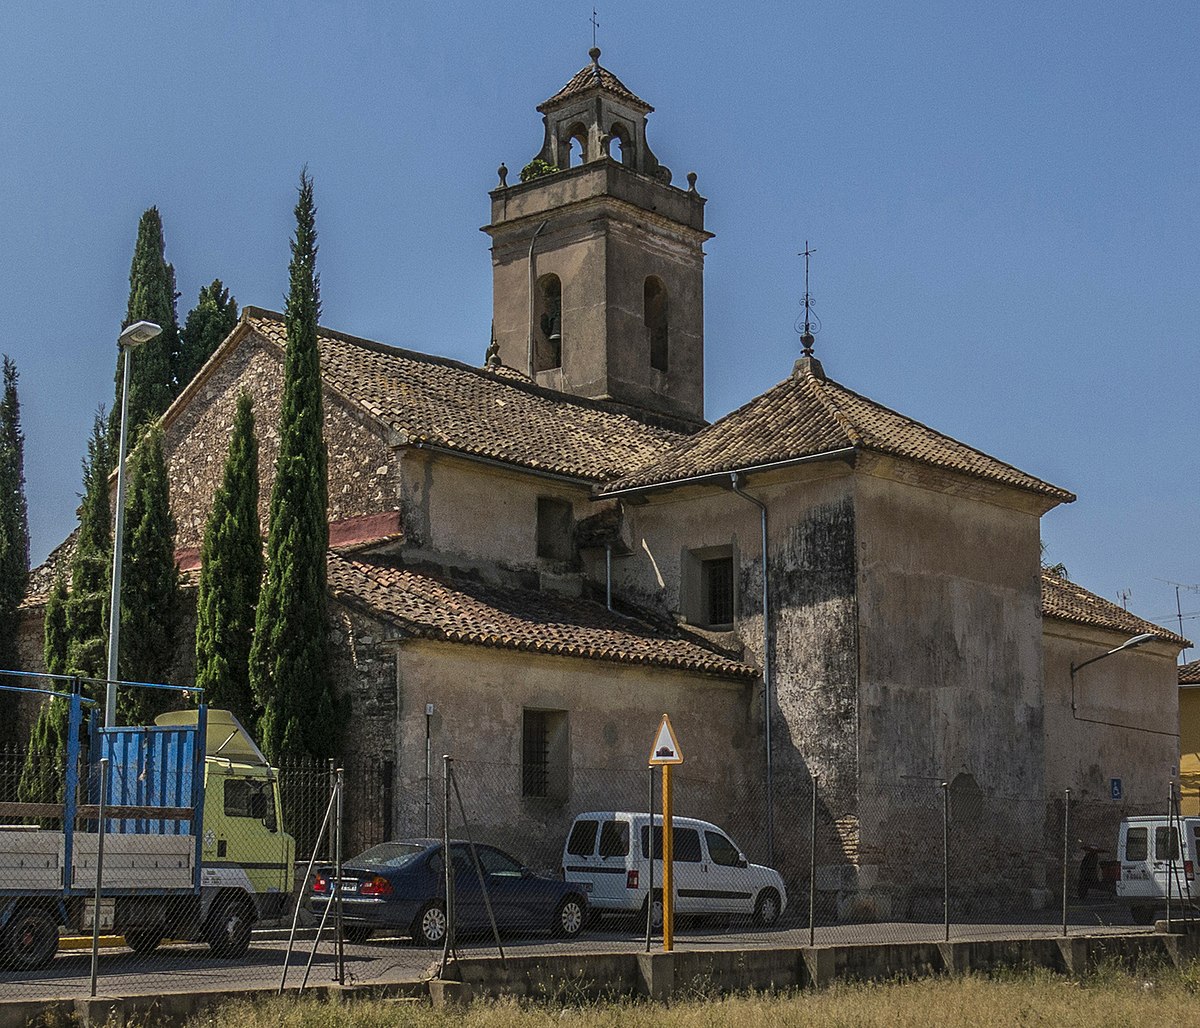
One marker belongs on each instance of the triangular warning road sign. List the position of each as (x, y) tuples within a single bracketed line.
[(666, 748)]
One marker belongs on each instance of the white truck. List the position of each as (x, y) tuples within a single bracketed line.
[(1158, 856)]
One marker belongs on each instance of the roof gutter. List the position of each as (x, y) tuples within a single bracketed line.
[(722, 478), (520, 469)]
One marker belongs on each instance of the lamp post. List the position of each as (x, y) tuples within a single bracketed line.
[(1128, 644), (135, 335)]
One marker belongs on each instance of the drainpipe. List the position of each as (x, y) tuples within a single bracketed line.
[(530, 262), (608, 574), (766, 609)]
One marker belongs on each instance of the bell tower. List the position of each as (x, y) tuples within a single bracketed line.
[(598, 261)]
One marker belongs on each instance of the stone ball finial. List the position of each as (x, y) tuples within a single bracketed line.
[(502, 171), (691, 177), (594, 54)]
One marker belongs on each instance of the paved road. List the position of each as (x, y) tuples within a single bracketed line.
[(189, 968)]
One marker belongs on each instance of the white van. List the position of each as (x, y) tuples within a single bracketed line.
[(607, 855), (1153, 861)]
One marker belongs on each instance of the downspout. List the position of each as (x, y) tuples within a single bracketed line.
[(608, 574), (530, 262), (766, 609)]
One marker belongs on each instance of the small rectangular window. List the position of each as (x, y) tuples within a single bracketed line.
[(554, 525), (535, 754), (1136, 844), (614, 839), (718, 590), (583, 839)]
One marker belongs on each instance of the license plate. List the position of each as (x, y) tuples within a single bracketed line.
[(348, 885)]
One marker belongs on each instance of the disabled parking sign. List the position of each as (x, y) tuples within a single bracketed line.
[(1115, 789)]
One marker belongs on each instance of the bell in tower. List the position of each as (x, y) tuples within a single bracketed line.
[(598, 261)]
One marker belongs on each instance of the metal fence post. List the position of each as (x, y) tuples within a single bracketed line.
[(448, 940), (812, 868), (99, 870), (1170, 850), (650, 846), (337, 913), (946, 857), (1066, 852)]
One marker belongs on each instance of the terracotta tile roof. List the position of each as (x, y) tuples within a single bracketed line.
[(457, 610), (1189, 674), (478, 411), (591, 76), (1064, 600), (808, 414)]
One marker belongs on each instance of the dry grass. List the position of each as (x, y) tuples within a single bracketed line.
[(1111, 997)]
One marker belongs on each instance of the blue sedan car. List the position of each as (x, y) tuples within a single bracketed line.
[(400, 887)]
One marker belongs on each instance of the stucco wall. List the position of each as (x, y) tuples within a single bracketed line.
[(613, 711), (363, 475), (950, 646), (1138, 688)]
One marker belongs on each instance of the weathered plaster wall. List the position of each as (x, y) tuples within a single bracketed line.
[(613, 711), (950, 646), (811, 537), (469, 515), (1138, 688), (363, 475)]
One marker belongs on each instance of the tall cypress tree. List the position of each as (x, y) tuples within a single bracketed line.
[(40, 781), (87, 604), (149, 583), (289, 661), (207, 324), (231, 566), (151, 298), (14, 516)]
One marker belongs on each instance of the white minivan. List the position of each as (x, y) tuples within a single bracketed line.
[(607, 855), (1154, 860)]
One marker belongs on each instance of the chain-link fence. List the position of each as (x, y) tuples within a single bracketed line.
[(537, 864)]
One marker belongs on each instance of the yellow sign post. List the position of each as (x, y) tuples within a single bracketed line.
[(665, 753)]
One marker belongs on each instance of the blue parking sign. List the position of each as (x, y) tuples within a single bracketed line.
[(1114, 787)]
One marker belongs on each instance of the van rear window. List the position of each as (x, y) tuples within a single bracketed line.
[(614, 839), (1136, 844), (583, 839), (1166, 844)]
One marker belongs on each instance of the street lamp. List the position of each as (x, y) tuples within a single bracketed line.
[(134, 336), (1128, 644)]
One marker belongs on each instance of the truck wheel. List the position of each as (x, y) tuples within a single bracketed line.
[(143, 940), (656, 915), (429, 929), (766, 909), (31, 939), (229, 927)]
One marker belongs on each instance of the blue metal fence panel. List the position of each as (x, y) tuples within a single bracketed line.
[(153, 767)]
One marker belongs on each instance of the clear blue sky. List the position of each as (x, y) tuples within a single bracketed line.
[(1003, 199)]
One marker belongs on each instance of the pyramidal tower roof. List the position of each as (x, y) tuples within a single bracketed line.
[(593, 76)]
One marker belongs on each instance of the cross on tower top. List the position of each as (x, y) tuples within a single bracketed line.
[(595, 25), (807, 338)]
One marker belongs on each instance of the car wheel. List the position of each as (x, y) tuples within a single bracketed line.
[(228, 929), (766, 908), (568, 921), (31, 939), (355, 934), (429, 929), (1142, 915), (656, 913), (143, 940)]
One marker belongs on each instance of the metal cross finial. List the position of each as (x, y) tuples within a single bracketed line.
[(595, 25), (807, 336)]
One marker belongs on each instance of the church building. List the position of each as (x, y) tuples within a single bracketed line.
[(532, 560)]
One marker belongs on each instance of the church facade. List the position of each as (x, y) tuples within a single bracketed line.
[(532, 560)]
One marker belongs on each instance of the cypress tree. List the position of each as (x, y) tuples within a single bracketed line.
[(14, 516), (289, 660), (231, 567), (54, 629), (207, 324), (151, 298), (40, 782), (87, 604), (149, 583)]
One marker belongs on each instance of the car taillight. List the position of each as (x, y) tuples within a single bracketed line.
[(631, 879), (377, 886), (320, 884), (1189, 869)]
